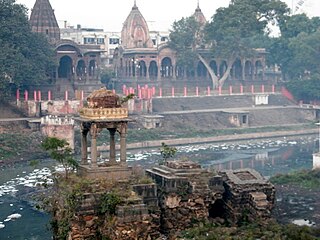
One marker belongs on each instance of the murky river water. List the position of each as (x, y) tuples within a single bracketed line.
[(19, 220)]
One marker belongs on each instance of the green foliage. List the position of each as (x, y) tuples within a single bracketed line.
[(60, 151), (184, 40), (127, 98), (306, 90), (296, 50), (106, 75), (167, 152), (26, 58), (305, 179), (259, 230), (109, 203)]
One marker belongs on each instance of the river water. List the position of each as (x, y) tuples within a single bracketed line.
[(20, 220)]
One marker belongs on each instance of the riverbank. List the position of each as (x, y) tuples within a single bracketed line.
[(221, 138)]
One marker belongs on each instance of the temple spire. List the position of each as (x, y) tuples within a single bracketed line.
[(198, 6), (135, 5)]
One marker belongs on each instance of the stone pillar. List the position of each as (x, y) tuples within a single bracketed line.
[(112, 159), (93, 132), (84, 145), (123, 144)]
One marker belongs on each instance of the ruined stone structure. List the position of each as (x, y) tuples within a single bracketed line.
[(189, 194), (104, 111)]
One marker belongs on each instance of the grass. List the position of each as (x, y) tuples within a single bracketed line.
[(16, 145), (306, 179)]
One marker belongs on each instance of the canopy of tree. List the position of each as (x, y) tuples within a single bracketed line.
[(26, 58), (229, 35)]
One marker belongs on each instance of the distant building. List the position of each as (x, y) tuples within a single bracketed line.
[(79, 63), (136, 54)]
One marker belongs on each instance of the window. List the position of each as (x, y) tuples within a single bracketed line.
[(114, 40), (100, 40), (88, 40), (164, 39)]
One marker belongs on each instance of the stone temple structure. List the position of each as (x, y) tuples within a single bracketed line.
[(104, 111)]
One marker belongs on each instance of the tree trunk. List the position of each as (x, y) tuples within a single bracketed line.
[(213, 76), (227, 73)]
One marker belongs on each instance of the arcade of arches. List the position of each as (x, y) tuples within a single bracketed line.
[(76, 64), (154, 68)]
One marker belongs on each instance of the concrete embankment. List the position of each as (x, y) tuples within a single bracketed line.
[(222, 138)]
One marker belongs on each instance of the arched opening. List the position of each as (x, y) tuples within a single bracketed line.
[(217, 210), (65, 67), (223, 68), (236, 71), (201, 70), (180, 72), (214, 67), (81, 68), (248, 70), (92, 68), (258, 70), (166, 68), (142, 69), (153, 70)]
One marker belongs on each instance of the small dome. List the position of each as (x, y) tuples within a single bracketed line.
[(103, 98)]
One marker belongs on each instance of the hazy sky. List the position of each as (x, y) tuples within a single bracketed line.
[(110, 14)]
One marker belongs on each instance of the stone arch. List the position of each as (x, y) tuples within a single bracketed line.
[(166, 68), (92, 67), (236, 71), (214, 66), (153, 70), (142, 69), (180, 71), (248, 70), (258, 69), (201, 70), (223, 68), (65, 68), (81, 68)]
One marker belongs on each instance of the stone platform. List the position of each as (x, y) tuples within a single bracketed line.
[(115, 173)]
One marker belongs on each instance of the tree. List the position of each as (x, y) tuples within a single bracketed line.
[(296, 49), (231, 34), (232, 29), (26, 57), (60, 151), (167, 152)]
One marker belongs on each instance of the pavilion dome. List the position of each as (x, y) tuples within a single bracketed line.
[(135, 31), (103, 98)]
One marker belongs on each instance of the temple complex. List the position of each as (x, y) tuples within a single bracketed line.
[(138, 57)]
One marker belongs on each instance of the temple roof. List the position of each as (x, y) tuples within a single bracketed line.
[(43, 20), (135, 30), (199, 16)]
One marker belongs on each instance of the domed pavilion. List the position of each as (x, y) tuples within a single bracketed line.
[(103, 111)]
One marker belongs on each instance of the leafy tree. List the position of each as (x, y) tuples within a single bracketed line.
[(232, 29), (106, 75), (232, 33), (167, 152), (60, 151), (296, 49), (26, 57), (184, 40)]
